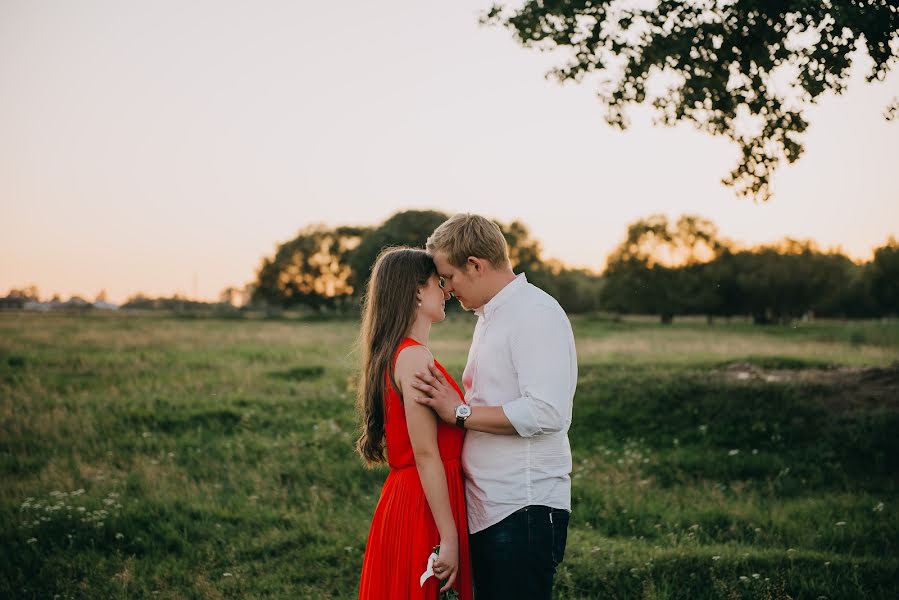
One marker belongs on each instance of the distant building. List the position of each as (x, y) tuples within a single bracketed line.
[(102, 305), (37, 305)]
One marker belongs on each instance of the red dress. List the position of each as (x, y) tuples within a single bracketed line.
[(403, 532)]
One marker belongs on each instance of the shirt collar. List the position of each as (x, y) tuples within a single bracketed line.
[(502, 296)]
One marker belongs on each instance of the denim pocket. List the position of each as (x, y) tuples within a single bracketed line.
[(559, 518)]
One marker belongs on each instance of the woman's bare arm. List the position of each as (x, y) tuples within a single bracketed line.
[(422, 424)]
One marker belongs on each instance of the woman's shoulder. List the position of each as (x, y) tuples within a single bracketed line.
[(412, 357)]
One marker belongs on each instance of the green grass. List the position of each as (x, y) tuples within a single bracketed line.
[(157, 457)]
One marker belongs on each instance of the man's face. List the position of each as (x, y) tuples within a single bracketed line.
[(458, 282)]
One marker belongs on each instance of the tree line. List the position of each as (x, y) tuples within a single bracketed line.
[(660, 268), (686, 268), (326, 268)]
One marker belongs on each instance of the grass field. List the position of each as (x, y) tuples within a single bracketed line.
[(161, 457)]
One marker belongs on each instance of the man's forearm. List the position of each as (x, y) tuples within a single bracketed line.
[(490, 419)]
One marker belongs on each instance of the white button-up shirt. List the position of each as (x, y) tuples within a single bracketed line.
[(522, 358)]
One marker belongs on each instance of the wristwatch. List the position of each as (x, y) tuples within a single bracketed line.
[(463, 411)]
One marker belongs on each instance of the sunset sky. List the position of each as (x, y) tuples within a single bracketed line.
[(159, 146)]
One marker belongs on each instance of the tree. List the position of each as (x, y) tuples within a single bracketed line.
[(660, 268), (407, 228), (309, 270), (714, 63), (524, 251), (232, 296), (781, 282), (29, 292), (633, 286), (884, 277)]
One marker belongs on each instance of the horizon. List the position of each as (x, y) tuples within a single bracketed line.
[(738, 245)]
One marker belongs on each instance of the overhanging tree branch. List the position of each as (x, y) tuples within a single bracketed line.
[(744, 69)]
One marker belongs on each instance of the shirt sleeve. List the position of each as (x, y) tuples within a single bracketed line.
[(541, 352)]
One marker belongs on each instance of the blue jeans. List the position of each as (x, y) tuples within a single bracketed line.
[(517, 557)]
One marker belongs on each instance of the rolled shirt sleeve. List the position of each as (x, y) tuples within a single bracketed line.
[(542, 354)]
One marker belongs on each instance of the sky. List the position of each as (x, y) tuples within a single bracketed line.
[(167, 147)]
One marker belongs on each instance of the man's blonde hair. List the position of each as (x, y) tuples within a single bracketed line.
[(465, 235)]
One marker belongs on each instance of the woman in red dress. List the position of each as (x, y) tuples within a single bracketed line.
[(422, 502)]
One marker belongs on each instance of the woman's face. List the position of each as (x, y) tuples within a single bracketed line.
[(433, 299)]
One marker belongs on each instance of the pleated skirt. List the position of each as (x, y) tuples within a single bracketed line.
[(403, 535)]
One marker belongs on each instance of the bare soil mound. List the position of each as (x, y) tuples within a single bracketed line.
[(843, 389)]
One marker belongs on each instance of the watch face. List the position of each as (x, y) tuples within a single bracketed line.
[(463, 411)]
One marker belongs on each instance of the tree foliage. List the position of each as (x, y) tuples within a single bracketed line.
[(884, 277), (773, 283), (406, 228), (662, 267), (324, 268), (716, 64), (310, 269), (656, 269)]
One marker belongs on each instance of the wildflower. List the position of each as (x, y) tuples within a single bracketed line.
[(744, 579), (733, 452), (878, 507), (227, 574), (755, 575), (841, 523), (119, 536), (31, 540), (716, 557)]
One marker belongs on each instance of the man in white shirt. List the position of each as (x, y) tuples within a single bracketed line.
[(519, 384)]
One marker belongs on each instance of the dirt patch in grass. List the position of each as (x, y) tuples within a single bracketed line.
[(842, 389)]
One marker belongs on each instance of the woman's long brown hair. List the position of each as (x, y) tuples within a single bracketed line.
[(388, 311)]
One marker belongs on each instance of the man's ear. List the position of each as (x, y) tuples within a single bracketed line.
[(475, 263)]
